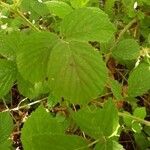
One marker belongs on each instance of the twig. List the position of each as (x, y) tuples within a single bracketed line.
[(25, 106)]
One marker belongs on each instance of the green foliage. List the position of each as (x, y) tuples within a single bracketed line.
[(100, 30), (7, 76), (126, 50), (82, 71), (139, 82), (108, 145), (96, 122), (6, 127), (87, 62), (47, 132), (58, 8)]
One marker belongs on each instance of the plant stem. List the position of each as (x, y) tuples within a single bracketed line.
[(19, 14), (30, 24), (147, 123), (24, 106), (125, 29)]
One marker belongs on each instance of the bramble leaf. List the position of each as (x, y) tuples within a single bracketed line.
[(138, 81), (98, 122), (76, 72), (126, 50), (108, 145), (42, 131), (58, 8), (7, 76), (6, 127), (34, 54), (87, 24)]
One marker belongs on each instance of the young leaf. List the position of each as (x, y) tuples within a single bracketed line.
[(138, 81), (76, 72), (98, 122), (34, 54), (126, 50), (6, 127), (7, 76), (58, 8), (39, 123), (87, 24), (108, 145)]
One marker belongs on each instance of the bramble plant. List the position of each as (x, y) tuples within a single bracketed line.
[(74, 74)]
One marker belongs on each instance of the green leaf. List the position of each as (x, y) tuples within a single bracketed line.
[(58, 8), (76, 72), (116, 89), (138, 81), (108, 7), (81, 25), (136, 127), (78, 3), (58, 142), (98, 122), (9, 44), (39, 123), (140, 112), (7, 76), (35, 7), (31, 90), (6, 128), (108, 145), (142, 141), (34, 54), (126, 50)]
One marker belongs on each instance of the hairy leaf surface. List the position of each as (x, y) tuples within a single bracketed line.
[(76, 72)]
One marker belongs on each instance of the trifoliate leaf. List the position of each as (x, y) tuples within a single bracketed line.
[(139, 80), (76, 72), (98, 122), (7, 76), (58, 8), (6, 128), (87, 24)]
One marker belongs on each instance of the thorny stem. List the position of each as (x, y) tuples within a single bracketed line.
[(19, 14)]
